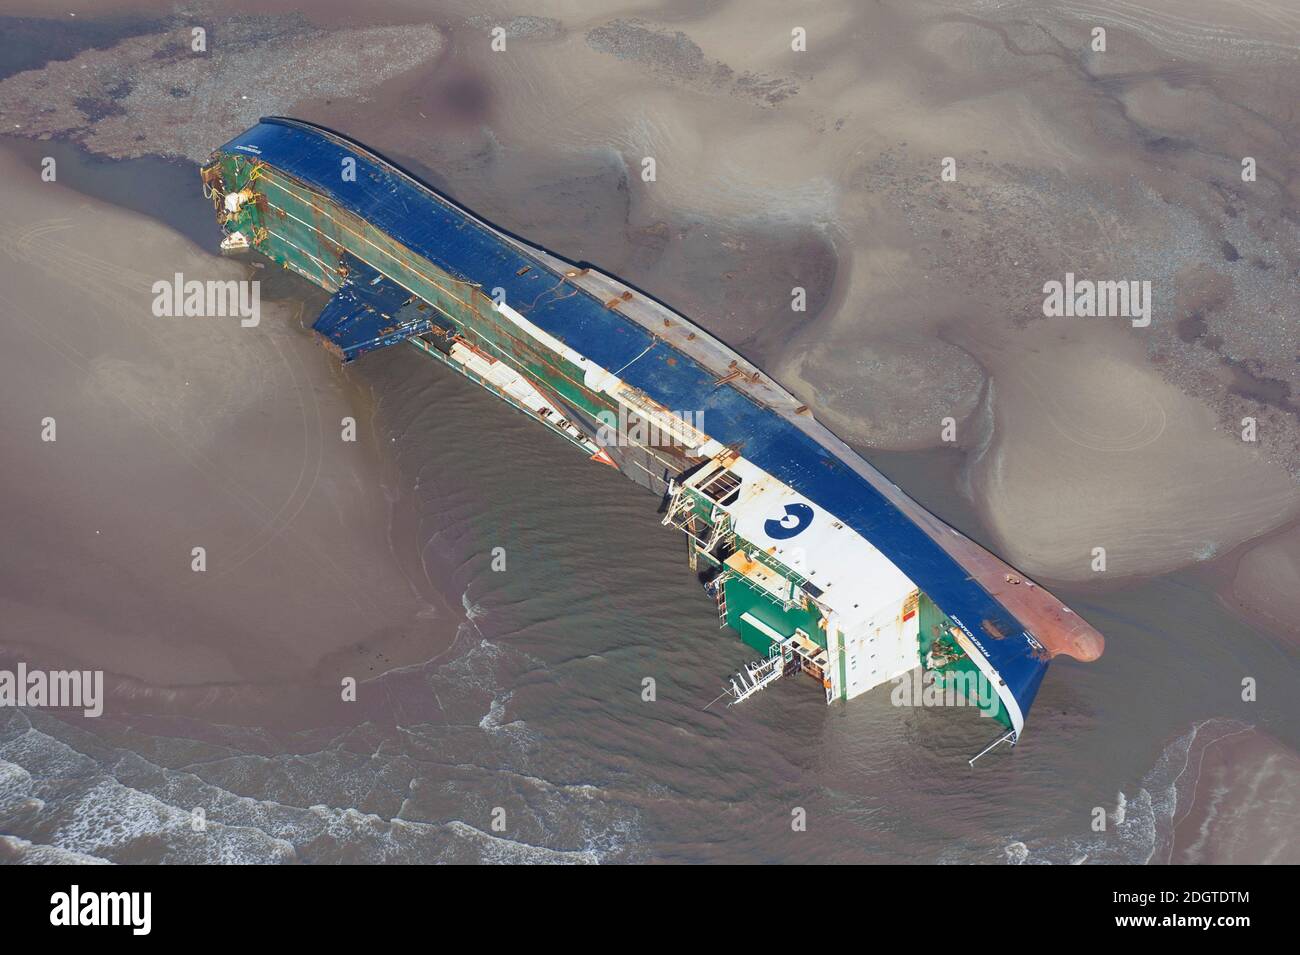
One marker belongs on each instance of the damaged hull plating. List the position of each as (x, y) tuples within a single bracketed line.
[(815, 558)]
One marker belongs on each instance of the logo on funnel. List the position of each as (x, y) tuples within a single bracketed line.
[(795, 521)]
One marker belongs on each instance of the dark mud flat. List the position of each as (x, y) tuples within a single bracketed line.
[(28, 43)]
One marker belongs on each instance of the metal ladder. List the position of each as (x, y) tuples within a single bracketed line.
[(722, 605), (757, 675), (681, 503)]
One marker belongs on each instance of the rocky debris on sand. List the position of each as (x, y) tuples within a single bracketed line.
[(520, 28), (677, 56), (153, 93)]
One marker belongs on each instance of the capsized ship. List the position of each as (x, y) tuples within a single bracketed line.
[(817, 560)]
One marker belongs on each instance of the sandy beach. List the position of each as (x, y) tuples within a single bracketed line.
[(1266, 581), (1241, 807), (174, 433)]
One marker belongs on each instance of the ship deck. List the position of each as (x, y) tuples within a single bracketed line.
[(682, 367)]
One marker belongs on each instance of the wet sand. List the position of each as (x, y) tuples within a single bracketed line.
[(1087, 446), (180, 432), (820, 169), (774, 170), (1266, 581), (1241, 805), (926, 296)]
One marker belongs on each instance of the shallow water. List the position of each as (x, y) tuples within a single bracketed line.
[(537, 708), (163, 188)]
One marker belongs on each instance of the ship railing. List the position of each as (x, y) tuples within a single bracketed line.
[(681, 515), (717, 532), (1010, 735), (755, 676), (680, 505), (786, 603)]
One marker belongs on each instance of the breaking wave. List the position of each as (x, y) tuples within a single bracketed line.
[(367, 794), (1139, 830)]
